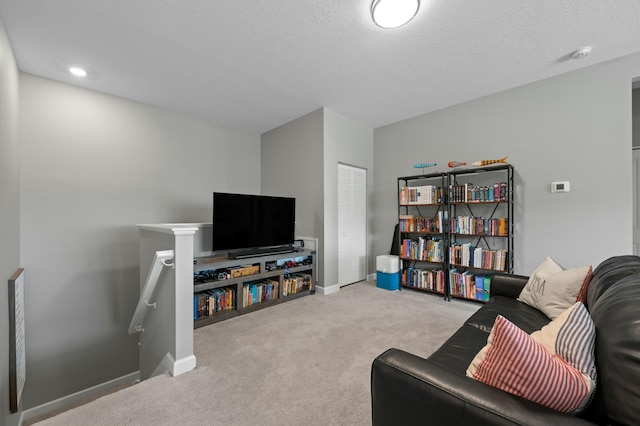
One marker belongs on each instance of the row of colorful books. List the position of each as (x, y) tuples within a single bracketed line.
[(410, 223), (207, 303), (296, 283), (425, 194), (467, 255), (468, 193), (469, 286), (422, 249), (259, 291), (470, 225), (432, 280)]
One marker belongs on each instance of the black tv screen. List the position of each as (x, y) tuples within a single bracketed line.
[(242, 221)]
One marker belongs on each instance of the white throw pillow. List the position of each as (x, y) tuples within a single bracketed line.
[(552, 290)]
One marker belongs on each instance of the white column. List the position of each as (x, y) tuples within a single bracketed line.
[(185, 360), (166, 344)]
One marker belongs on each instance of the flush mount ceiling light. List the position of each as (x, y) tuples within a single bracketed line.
[(581, 53), (78, 72), (393, 13)]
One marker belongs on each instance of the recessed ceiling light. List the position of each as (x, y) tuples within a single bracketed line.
[(78, 72), (393, 13)]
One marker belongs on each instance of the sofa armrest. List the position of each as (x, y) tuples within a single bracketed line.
[(408, 390), (508, 285)]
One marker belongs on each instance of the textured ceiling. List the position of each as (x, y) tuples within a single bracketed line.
[(257, 64)]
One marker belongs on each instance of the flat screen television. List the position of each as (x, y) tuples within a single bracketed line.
[(253, 223)]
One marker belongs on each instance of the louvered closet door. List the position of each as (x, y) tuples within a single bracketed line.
[(352, 224)]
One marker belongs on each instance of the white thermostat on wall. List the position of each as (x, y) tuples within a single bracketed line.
[(559, 186)]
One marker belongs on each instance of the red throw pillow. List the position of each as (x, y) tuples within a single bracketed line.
[(516, 363)]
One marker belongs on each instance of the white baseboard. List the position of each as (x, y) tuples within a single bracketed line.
[(69, 400), (372, 277), (184, 365), (173, 367), (325, 291)]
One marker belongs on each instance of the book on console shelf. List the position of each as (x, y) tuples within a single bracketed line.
[(209, 302), (260, 291), (297, 283)]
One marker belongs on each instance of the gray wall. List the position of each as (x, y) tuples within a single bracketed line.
[(636, 117), (301, 158), (92, 167), (349, 142), (9, 208), (574, 127), (291, 166)]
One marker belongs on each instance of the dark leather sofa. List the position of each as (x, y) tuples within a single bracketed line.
[(410, 390)]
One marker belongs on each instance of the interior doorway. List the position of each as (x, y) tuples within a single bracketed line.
[(352, 224)]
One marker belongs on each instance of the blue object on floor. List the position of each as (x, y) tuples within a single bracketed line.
[(388, 281)]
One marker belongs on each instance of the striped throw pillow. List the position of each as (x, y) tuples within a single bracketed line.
[(571, 336), (514, 362)]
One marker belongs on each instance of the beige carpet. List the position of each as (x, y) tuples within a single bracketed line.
[(304, 362)]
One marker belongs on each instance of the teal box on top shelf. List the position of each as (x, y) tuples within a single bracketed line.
[(388, 272)]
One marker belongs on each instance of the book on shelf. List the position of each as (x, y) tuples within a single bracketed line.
[(465, 254), (424, 194), (468, 285), (471, 225), (479, 287), (411, 223), (462, 284), (483, 287), (461, 254), (442, 217), (407, 223), (468, 193), (424, 279), (487, 287), (428, 249)]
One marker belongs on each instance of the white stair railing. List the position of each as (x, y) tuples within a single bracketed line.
[(160, 259)]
